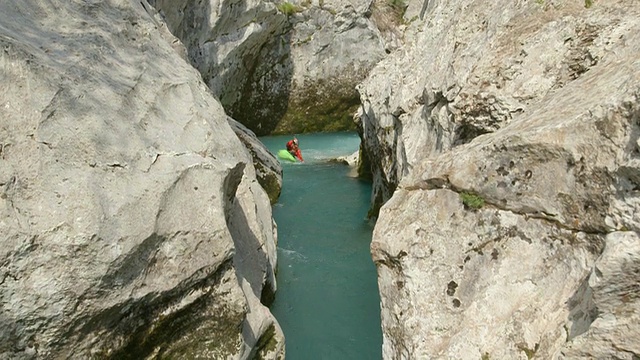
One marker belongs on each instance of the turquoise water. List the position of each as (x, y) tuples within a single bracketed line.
[(327, 300)]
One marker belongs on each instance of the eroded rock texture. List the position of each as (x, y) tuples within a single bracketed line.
[(131, 221), (268, 168), (285, 68), (509, 132)]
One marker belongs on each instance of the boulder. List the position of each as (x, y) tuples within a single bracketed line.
[(127, 204), (352, 161)]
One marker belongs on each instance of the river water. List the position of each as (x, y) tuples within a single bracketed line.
[(327, 300)]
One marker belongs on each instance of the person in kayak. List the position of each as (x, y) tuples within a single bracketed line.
[(293, 149)]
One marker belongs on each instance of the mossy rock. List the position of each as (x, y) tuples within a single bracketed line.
[(267, 344), (333, 116), (210, 326), (270, 104), (321, 106)]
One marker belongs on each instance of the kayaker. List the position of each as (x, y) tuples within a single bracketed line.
[(293, 149)]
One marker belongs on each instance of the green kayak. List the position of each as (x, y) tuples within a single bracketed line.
[(285, 155)]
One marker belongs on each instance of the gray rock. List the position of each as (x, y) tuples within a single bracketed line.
[(278, 72), (125, 195), (471, 68), (353, 161), (550, 185), (509, 158), (350, 160), (268, 167), (604, 318)]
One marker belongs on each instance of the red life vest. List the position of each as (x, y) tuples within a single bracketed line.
[(294, 150)]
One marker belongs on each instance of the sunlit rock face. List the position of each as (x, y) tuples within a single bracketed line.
[(504, 144), (131, 221), (285, 68), (469, 68)]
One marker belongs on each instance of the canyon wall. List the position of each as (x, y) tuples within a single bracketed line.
[(504, 146), (132, 221)]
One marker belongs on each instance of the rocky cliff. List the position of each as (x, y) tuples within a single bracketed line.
[(504, 140), (281, 68), (131, 221)]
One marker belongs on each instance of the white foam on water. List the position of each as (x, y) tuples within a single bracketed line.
[(292, 254)]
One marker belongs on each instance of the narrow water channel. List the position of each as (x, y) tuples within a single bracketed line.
[(327, 300)]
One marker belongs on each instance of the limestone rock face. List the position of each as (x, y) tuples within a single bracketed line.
[(128, 206), (509, 132), (470, 68), (268, 167), (280, 70), (611, 292)]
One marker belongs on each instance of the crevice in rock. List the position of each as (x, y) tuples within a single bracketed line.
[(464, 133), (157, 155), (444, 183), (388, 260)]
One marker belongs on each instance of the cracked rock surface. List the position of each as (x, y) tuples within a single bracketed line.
[(131, 221), (533, 110), (276, 70)]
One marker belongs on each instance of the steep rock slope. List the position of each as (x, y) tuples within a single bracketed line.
[(131, 221), (288, 67), (469, 68), (507, 140), (268, 168)]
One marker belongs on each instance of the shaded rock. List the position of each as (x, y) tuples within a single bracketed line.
[(532, 109), (268, 167), (286, 70), (125, 196)]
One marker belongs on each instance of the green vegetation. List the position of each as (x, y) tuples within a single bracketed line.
[(288, 8), (471, 200), (588, 3), (540, 2), (267, 343), (485, 356), (529, 352)]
